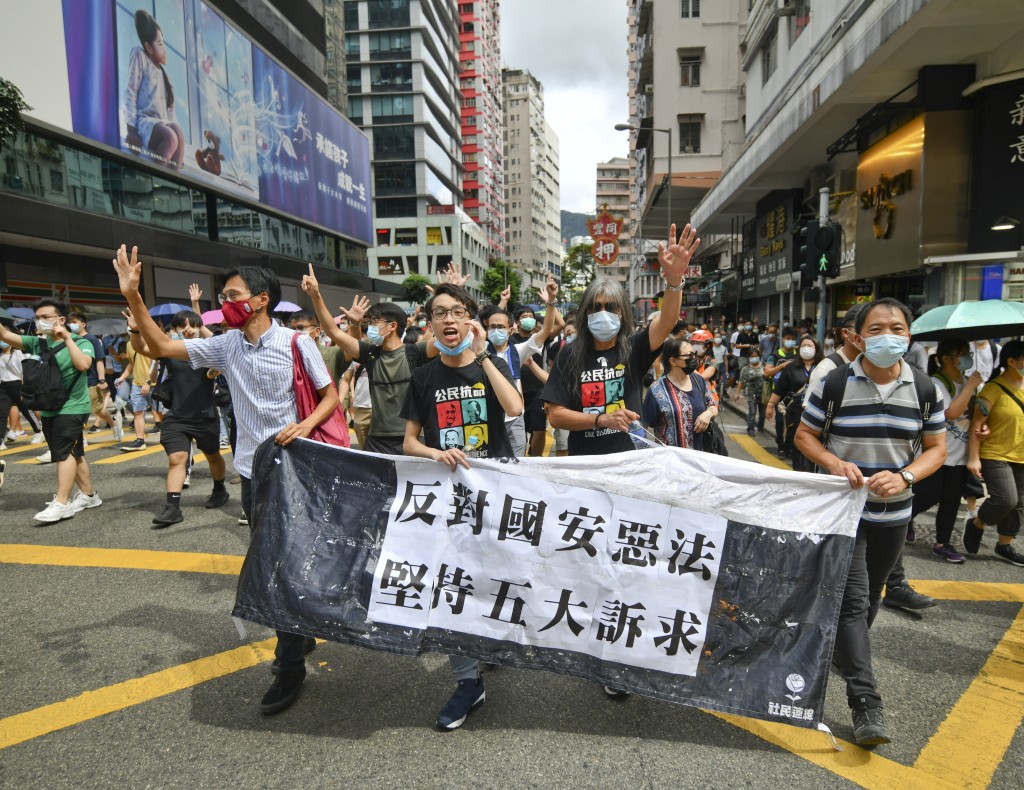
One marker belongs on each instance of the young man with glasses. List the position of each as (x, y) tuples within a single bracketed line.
[(388, 361), (62, 426), (257, 362), (459, 402)]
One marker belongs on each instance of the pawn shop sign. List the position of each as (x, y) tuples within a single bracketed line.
[(604, 230)]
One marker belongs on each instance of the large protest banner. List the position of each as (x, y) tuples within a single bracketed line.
[(687, 577)]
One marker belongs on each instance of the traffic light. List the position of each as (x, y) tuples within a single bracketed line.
[(828, 241), (809, 255)]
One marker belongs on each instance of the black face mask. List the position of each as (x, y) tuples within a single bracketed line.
[(689, 367)]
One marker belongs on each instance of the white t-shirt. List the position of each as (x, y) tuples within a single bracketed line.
[(983, 360), (957, 430), (10, 367), (527, 348), (736, 352), (821, 370), (361, 390)]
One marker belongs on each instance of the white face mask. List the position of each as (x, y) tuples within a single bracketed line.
[(806, 352), (43, 326)]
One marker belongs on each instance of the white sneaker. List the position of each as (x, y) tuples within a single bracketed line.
[(85, 442), (11, 435), (83, 502), (44, 458), (37, 438), (188, 480), (17, 435), (55, 511), (3, 445), (243, 522), (225, 444)]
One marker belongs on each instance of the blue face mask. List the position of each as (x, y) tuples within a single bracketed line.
[(454, 352), (884, 351), (965, 363), (603, 325), (74, 328), (528, 324), (176, 336), (373, 335), (498, 337), (3, 345), (789, 343), (569, 339)]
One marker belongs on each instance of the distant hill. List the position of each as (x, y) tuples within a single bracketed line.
[(574, 223)]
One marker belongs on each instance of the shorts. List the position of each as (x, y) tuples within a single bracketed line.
[(533, 413), (385, 445), (138, 401), (63, 434), (176, 435), (97, 398)]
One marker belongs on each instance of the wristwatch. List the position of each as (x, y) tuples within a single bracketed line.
[(481, 357), (674, 288), (908, 477)]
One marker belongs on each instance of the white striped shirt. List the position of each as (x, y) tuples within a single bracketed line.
[(261, 381)]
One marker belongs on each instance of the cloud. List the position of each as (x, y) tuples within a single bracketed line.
[(578, 51)]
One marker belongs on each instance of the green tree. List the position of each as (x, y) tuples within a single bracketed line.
[(415, 287), (497, 275), (12, 105), (578, 269)]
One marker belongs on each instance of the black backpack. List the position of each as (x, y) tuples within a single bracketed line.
[(43, 387)]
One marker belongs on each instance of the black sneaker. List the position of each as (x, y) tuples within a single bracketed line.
[(155, 428), (911, 533), (134, 447), (94, 429), (615, 693), (1007, 552), (282, 693), (904, 596), (308, 645), (218, 498), (972, 536), (469, 695), (869, 727), (171, 514)]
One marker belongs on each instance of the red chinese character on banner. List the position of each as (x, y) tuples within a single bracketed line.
[(605, 229)]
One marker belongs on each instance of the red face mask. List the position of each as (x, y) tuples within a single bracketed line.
[(236, 313)]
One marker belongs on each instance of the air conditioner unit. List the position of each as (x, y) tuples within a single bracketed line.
[(649, 89)]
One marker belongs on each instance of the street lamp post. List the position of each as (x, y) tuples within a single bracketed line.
[(625, 127)]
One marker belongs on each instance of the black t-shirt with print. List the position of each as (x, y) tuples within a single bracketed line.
[(191, 391), (605, 385), (457, 407)]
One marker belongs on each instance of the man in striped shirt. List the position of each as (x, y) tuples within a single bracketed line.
[(257, 362), (872, 442)]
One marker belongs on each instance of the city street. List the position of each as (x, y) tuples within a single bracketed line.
[(128, 671)]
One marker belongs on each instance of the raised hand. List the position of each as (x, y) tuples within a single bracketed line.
[(506, 294), (129, 270), (132, 325), (479, 335), (356, 313), (452, 276), (195, 293), (676, 257), (549, 293), (309, 283)]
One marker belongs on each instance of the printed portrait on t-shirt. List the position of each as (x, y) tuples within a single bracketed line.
[(474, 411), (476, 437), (451, 438), (449, 414), (602, 390), (593, 394), (614, 390)]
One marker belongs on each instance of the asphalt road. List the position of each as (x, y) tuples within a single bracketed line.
[(122, 668)]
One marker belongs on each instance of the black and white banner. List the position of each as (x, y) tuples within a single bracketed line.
[(688, 577)]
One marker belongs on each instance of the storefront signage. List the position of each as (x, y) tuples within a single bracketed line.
[(768, 250)]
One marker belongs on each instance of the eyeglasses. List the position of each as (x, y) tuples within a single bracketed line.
[(501, 327), (232, 296), (457, 312), (611, 307), (52, 317), (691, 355)]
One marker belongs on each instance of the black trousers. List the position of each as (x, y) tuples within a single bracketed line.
[(875, 552), (290, 653)]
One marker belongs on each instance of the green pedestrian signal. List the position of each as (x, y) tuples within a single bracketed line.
[(823, 263)]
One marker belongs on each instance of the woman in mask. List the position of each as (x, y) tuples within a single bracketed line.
[(946, 487), (789, 391), (679, 406), (999, 460)]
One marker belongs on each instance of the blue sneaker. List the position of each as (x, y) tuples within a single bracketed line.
[(469, 695)]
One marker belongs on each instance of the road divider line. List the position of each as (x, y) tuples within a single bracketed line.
[(88, 449), (971, 591), (760, 454), (992, 708), (199, 458), (132, 559), (31, 724), (120, 459), (22, 448)]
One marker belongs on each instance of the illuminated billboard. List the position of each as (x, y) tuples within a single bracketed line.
[(174, 83)]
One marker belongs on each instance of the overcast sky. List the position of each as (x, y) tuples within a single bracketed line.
[(577, 49)]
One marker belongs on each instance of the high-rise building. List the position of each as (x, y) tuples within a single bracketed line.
[(335, 67), (403, 86), (480, 81), (532, 205), (686, 109), (613, 181)]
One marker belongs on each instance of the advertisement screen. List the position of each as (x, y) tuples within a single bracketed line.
[(174, 83)]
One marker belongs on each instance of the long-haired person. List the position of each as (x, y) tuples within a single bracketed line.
[(999, 460), (680, 406)]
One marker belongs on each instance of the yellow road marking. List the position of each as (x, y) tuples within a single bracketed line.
[(120, 459), (199, 458), (90, 448), (137, 559), (23, 448), (31, 724), (760, 454), (971, 591)]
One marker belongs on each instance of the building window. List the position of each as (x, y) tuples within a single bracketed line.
[(769, 56), (394, 109), (56, 181), (391, 77), (388, 13), (351, 15), (800, 19), (354, 79), (689, 133), (352, 46), (689, 9), (392, 45), (689, 71)]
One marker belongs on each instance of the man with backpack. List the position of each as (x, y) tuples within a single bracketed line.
[(55, 371), (856, 426)]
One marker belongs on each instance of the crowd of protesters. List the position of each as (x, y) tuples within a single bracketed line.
[(857, 406)]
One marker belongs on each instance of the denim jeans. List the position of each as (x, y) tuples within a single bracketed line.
[(755, 414), (875, 552)]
